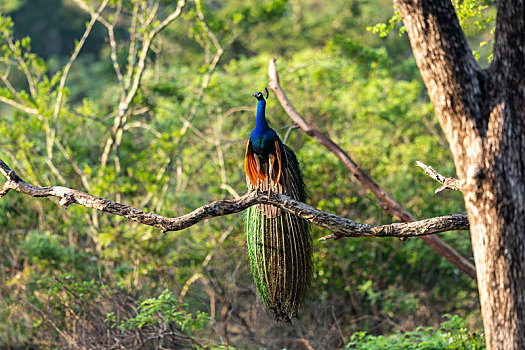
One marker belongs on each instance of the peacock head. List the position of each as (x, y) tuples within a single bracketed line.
[(259, 95)]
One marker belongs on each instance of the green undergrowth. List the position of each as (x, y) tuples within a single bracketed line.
[(452, 334)]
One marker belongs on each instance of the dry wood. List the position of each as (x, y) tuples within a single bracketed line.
[(446, 182), (340, 227), (392, 206)]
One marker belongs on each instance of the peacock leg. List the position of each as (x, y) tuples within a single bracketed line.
[(257, 162), (271, 161)]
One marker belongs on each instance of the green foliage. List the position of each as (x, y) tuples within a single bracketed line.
[(165, 308), (476, 17), (10, 5), (452, 335), (476, 10), (95, 278), (384, 28), (357, 52), (13, 50), (45, 249)]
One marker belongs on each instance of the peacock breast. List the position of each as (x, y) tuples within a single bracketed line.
[(263, 143)]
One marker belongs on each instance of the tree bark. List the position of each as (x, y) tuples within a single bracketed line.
[(482, 113), (340, 227)]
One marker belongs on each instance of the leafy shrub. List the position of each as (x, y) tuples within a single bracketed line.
[(164, 309), (453, 334)]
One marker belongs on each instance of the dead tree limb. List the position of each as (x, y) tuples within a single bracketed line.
[(446, 182), (392, 206), (340, 227)]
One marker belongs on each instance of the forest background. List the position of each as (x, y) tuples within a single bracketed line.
[(78, 278)]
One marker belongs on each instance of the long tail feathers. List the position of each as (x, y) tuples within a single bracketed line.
[(280, 249)]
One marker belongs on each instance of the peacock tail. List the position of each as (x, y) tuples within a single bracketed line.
[(280, 245)]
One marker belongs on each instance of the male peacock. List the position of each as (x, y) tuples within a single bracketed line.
[(279, 243)]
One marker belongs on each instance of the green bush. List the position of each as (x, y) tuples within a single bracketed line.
[(453, 334)]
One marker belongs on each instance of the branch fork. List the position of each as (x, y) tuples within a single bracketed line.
[(446, 182)]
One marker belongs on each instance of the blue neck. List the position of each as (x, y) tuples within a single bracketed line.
[(261, 124)]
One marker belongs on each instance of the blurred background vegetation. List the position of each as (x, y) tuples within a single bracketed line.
[(76, 278)]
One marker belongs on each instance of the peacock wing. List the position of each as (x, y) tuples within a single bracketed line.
[(280, 247)]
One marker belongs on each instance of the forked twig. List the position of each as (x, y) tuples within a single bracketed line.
[(446, 182)]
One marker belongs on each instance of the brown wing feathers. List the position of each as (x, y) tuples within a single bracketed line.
[(273, 183)]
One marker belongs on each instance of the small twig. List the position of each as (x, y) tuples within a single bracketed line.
[(306, 343), (134, 76), (230, 189), (18, 105), (7, 83), (447, 182), (132, 51), (138, 124), (232, 110), (23, 65), (52, 135), (74, 164), (289, 131), (55, 170), (341, 227), (151, 15), (169, 19)]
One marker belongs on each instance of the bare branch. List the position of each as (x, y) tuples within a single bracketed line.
[(389, 203), (74, 164), (19, 106), (447, 182), (404, 229), (22, 64), (174, 15), (211, 68), (134, 76), (72, 59), (52, 132), (341, 227), (110, 27)]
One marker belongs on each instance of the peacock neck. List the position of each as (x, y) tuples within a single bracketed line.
[(261, 124)]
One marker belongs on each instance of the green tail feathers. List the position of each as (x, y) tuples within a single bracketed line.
[(280, 250)]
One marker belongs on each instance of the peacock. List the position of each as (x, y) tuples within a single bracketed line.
[(279, 243)]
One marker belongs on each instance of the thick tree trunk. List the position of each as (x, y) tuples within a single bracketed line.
[(482, 114)]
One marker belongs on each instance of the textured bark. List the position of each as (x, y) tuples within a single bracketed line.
[(341, 227), (482, 114), (446, 182)]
